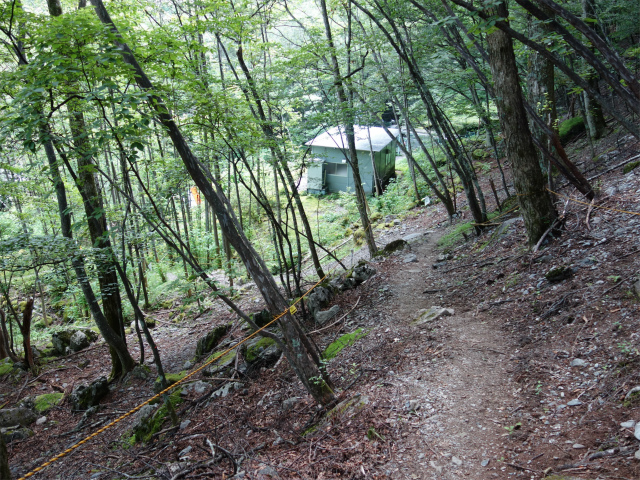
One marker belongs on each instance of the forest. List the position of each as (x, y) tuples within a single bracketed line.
[(154, 160)]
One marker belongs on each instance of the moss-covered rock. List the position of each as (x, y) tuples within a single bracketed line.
[(222, 365), (45, 402), (479, 154), (171, 379), (85, 396), (394, 246), (6, 366), (570, 128), (211, 339), (558, 274), (149, 421), (630, 166), (346, 340)]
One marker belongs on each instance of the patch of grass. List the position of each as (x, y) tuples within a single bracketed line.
[(346, 340)]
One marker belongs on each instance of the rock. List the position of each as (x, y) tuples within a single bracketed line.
[(141, 421), (574, 403), (636, 433), (10, 417), (558, 274), (578, 362), (611, 191), (62, 340), (411, 258), (268, 473), (41, 420), (412, 236), (227, 389), (426, 316), (184, 424), (578, 446), (45, 402), (6, 366), (171, 378), (544, 259), (318, 299), (632, 392), (587, 262), (635, 288), (221, 366), (289, 403), (362, 273), (78, 341), (86, 396), (207, 343), (394, 246), (10, 435), (628, 424), (185, 451), (412, 405), (262, 317), (263, 351), (444, 257), (325, 316), (484, 462), (199, 387), (456, 461), (187, 365)]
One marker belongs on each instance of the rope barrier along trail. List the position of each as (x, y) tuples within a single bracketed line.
[(593, 205), (69, 450)]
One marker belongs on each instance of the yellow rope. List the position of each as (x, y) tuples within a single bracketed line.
[(593, 205), (66, 452)]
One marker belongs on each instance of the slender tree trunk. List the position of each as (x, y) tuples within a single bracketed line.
[(348, 125), (537, 209)]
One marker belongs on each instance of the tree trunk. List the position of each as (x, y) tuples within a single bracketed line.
[(5, 472), (300, 359), (111, 323), (595, 117), (537, 209), (347, 118)]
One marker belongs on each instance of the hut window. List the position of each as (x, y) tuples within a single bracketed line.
[(338, 169)]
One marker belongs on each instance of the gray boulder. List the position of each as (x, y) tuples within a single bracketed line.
[(10, 417), (318, 299), (62, 340), (10, 435), (362, 273), (78, 341), (85, 396), (325, 316)]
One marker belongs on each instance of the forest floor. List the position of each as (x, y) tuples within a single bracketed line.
[(520, 378)]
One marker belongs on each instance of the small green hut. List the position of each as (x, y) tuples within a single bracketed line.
[(328, 171)]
